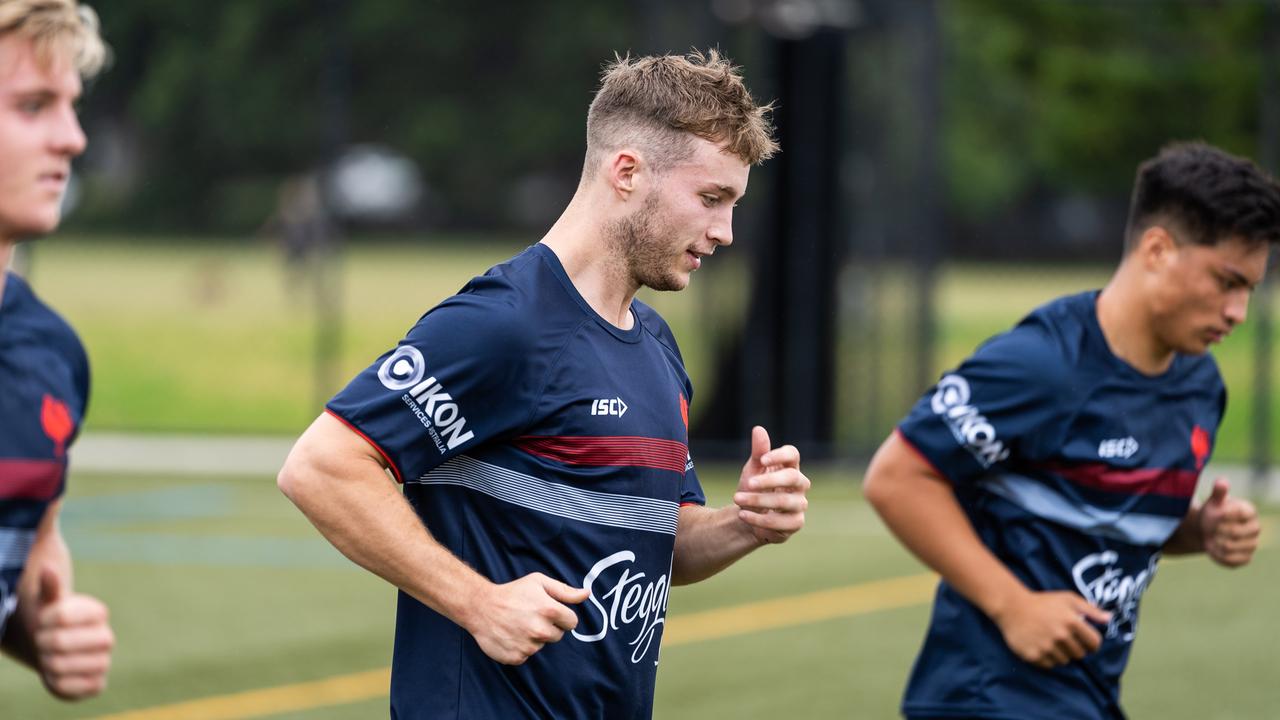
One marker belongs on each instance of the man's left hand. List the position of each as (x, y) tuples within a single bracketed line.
[(73, 639), (1229, 526), (771, 492)]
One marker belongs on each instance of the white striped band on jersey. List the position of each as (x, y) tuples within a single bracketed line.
[(1039, 499), (614, 510), (15, 545)]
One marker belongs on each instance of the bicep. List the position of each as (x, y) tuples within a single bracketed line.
[(329, 450), (897, 464)]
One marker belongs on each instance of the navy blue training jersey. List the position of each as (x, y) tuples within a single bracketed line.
[(44, 387), (531, 435), (1074, 469)]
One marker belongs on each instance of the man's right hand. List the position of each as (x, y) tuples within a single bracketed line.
[(514, 620), (1048, 629)]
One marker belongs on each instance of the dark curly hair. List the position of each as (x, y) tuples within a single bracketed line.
[(1207, 194)]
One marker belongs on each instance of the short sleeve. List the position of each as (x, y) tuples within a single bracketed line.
[(690, 489), (1006, 402), (457, 380)]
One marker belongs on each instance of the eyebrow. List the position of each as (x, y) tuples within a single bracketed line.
[(1238, 277), (729, 190)]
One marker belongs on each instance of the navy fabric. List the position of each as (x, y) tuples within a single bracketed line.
[(44, 389), (533, 436), (1074, 469)]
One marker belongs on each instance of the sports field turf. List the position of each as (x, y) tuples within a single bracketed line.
[(218, 586), (200, 336)]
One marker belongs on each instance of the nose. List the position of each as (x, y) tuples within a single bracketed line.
[(1237, 308), (721, 233), (67, 136)]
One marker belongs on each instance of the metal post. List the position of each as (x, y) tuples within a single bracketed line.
[(1269, 157), (327, 269)]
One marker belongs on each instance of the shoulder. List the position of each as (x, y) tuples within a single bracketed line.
[(656, 327), (515, 308), (34, 321), (1049, 340)]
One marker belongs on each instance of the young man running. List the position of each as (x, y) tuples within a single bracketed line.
[(539, 422), (1045, 476)]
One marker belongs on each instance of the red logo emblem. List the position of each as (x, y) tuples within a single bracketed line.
[(684, 412), (57, 423), (1200, 446)]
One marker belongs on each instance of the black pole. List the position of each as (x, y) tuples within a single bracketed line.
[(334, 99), (1269, 157)]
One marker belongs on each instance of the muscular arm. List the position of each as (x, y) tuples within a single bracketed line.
[(708, 541), (768, 508), (61, 634), (1225, 527), (339, 481), (48, 551), (920, 508)]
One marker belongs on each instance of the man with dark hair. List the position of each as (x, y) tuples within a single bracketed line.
[(1045, 476), (539, 422), (46, 46)]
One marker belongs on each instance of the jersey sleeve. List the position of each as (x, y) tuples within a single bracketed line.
[(690, 488), (691, 492), (1006, 402), (457, 380)]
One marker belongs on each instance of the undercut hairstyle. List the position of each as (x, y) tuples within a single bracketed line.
[(658, 104), (1206, 194), (56, 27)]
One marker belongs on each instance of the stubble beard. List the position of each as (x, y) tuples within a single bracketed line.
[(640, 242)]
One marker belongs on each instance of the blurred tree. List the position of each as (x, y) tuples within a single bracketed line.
[(215, 103), (1070, 96)]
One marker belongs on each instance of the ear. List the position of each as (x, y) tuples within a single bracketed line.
[(1156, 248), (623, 173)]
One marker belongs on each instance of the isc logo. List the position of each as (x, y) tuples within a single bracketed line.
[(609, 406), (1118, 448)]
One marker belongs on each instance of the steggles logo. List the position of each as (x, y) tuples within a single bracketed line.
[(1106, 586), (8, 603), (627, 603)]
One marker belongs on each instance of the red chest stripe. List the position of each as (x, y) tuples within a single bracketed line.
[(623, 451), (29, 479), (1144, 481)]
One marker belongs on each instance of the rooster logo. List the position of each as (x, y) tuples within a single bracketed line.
[(1200, 446), (57, 423)]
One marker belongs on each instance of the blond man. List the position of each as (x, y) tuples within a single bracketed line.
[(539, 423), (46, 47)]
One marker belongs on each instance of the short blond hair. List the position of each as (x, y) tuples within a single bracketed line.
[(659, 102), (57, 26)]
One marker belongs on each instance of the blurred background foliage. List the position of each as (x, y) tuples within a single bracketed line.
[(210, 105)]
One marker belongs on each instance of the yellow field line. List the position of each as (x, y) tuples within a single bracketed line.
[(336, 690), (680, 630), (799, 609)]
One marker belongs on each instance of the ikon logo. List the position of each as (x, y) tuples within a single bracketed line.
[(609, 406), (970, 427), (435, 409)]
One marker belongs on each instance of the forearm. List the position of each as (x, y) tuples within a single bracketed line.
[(48, 551), (708, 541), (1188, 538), (921, 510), (358, 509)]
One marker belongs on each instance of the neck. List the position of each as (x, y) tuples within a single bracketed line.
[(1127, 327), (597, 272), (6, 255)]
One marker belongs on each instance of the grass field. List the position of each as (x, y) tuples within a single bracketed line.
[(193, 336), (217, 586)]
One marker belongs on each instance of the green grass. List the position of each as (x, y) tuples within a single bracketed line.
[(194, 336), (217, 585)]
